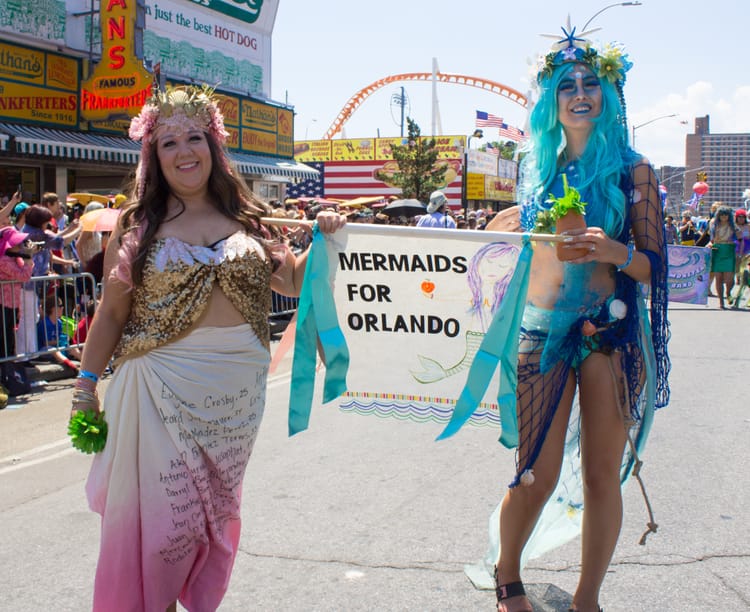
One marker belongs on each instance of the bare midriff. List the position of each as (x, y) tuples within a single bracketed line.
[(547, 276), (220, 312)]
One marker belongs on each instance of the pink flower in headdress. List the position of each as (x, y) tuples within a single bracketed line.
[(143, 125), (216, 124)]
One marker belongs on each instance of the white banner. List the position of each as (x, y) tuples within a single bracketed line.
[(413, 306)]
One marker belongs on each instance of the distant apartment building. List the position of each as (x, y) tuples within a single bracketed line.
[(725, 158), (673, 179)]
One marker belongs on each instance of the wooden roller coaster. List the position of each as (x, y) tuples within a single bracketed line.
[(458, 79)]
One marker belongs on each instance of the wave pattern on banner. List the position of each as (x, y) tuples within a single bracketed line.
[(347, 180), (418, 413)]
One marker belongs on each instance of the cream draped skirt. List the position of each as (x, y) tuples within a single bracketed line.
[(183, 419)]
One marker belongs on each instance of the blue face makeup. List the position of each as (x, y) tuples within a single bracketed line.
[(569, 83)]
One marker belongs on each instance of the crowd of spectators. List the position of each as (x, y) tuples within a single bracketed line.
[(727, 234), (45, 302)]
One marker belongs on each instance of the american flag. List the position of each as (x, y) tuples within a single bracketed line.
[(346, 180), (311, 188), (510, 132), (488, 120)]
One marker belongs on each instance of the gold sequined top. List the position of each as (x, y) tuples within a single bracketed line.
[(177, 281)]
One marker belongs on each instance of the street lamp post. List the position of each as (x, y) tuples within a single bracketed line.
[(307, 127), (640, 125), (464, 200), (599, 12)]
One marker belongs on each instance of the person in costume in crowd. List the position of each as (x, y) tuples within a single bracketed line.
[(436, 215), (585, 329), (724, 234), (188, 277), (743, 283), (688, 231), (743, 239)]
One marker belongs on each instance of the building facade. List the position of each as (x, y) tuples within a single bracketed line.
[(725, 158), (73, 73)]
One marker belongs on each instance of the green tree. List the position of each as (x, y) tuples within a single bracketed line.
[(507, 149), (417, 174)]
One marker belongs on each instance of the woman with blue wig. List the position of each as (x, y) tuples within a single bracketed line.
[(592, 363)]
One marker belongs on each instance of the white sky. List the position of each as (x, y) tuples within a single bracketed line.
[(689, 58)]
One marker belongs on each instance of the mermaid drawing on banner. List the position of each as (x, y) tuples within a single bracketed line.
[(489, 273)]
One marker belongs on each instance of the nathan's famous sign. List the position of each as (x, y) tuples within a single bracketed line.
[(120, 84), (38, 86)]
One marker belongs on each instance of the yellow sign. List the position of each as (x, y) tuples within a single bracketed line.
[(499, 189), (258, 142), (120, 84), (62, 72), (27, 102), (230, 109), (449, 147), (116, 125), (359, 149), (22, 64), (312, 150), (285, 139), (233, 140), (383, 147), (259, 116), (474, 186)]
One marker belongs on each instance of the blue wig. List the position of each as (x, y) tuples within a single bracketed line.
[(606, 157)]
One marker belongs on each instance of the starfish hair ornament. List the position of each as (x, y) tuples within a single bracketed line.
[(610, 63)]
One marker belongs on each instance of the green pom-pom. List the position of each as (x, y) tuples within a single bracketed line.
[(88, 431)]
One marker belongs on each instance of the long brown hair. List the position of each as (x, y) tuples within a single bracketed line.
[(228, 191)]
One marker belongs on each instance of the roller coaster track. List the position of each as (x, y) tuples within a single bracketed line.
[(458, 79)]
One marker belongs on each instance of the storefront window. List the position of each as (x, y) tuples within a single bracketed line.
[(13, 176), (267, 191)]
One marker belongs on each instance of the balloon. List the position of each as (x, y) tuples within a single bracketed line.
[(700, 188)]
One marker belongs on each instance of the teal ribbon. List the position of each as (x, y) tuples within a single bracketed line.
[(499, 346), (317, 321)]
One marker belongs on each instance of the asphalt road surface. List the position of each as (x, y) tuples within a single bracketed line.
[(359, 513)]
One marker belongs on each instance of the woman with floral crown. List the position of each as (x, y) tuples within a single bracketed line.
[(592, 365), (189, 273)]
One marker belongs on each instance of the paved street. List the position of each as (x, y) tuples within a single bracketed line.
[(360, 513)]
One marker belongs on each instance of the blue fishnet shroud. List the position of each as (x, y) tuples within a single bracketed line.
[(641, 349)]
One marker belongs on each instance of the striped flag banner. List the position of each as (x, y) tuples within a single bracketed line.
[(488, 120), (346, 180), (510, 132)]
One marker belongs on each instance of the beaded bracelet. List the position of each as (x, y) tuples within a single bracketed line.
[(631, 248), (88, 375)]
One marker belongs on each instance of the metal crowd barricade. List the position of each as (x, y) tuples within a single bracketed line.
[(44, 300), (282, 309)]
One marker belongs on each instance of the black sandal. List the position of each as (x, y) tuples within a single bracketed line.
[(512, 589)]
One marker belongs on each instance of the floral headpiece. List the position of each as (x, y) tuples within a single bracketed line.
[(180, 109), (610, 63)]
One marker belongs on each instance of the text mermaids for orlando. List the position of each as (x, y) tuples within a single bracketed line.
[(392, 262)]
